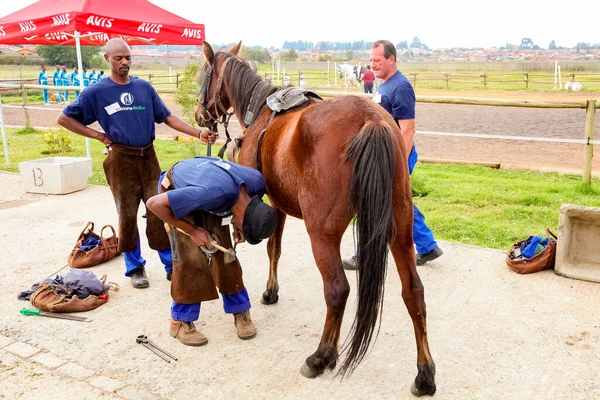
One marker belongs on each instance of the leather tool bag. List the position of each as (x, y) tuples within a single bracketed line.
[(56, 298), (541, 261), (105, 250)]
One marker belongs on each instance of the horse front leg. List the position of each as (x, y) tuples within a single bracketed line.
[(271, 294), (336, 290), (413, 295)]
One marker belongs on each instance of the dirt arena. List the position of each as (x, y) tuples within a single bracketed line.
[(511, 121)]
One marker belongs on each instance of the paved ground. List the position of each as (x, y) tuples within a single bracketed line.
[(494, 334)]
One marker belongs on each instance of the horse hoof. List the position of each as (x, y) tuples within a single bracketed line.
[(417, 393), (269, 299), (414, 390), (307, 372)]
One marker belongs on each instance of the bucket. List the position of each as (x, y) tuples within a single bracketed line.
[(302, 80), (573, 86)]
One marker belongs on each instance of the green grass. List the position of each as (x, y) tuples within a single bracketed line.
[(457, 80), (466, 204), (26, 147), (494, 208)]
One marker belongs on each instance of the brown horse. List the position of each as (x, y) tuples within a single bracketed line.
[(327, 162)]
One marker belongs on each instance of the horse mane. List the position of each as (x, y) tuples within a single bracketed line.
[(246, 85)]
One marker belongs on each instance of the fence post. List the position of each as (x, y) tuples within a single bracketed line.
[(177, 81), (590, 117), (414, 80), (150, 79), (447, 83), (573, 77), (484, 76), (526, 78), (27, 119)]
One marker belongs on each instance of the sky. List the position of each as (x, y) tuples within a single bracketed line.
[(438, 24)]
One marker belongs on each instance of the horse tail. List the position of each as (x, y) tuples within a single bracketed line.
[(371, 193)]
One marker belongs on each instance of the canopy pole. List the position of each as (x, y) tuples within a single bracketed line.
[(4, 138), (80, 73)]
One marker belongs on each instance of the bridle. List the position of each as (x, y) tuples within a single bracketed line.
[(215, 103)]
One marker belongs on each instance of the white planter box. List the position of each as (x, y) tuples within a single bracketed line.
[(55, 175)]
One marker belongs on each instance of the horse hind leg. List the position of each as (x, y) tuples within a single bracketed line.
[(271, 293), (413, 295), (336, 290)]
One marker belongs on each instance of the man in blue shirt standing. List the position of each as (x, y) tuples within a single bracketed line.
[(57, 81), (397, 96), (127, 109), (199, 198), (43, 80)]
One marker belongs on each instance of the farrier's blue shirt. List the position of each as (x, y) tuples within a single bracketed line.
[(397, 96), (210, 184), (127, 113)]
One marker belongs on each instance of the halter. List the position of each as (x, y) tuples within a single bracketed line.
[(214, 102)]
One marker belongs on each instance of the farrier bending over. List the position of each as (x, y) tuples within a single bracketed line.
[(127, 109), (198, 196)]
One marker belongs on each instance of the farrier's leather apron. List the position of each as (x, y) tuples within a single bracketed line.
[(193, 280), (132, 174)]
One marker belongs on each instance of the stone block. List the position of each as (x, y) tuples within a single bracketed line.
[(22, 349), (48, 360), (106, 384), (5, 341), (577, 251), (75, 371)]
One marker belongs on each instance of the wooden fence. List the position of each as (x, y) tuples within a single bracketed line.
[(588, 138)]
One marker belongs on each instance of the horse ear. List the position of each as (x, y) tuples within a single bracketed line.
[(235, 50), (209, 54)]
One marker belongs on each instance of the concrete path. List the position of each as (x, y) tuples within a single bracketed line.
[(494, 334)]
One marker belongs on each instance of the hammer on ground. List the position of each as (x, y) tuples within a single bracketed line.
[(229, 253)]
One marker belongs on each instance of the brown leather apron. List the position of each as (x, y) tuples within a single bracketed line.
[(193, 279), (132, 174)]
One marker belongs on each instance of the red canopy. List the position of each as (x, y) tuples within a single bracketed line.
[(139, 22)]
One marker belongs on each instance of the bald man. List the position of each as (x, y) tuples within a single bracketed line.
[(127, 108)]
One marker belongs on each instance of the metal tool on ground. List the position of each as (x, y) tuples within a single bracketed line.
[(143, 339), (31, 311), (230, 255)]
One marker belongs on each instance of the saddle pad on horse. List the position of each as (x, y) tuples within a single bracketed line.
[(289, 98)]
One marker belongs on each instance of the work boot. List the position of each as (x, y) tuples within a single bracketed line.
[(187, 334), (429, 256), (139, 280), (244, 325), (350, 263)]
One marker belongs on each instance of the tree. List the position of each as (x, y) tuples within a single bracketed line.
[(526, 43), (185, 95), (552, 45), (258, 55), (67, 55), (349, 55), (416, 44), (402, 45), (290, 55), (325, 57)]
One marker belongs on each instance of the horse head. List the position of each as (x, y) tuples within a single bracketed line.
[(228, 85), (213, 101)]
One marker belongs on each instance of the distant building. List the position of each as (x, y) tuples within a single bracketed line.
[(27, 52)]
